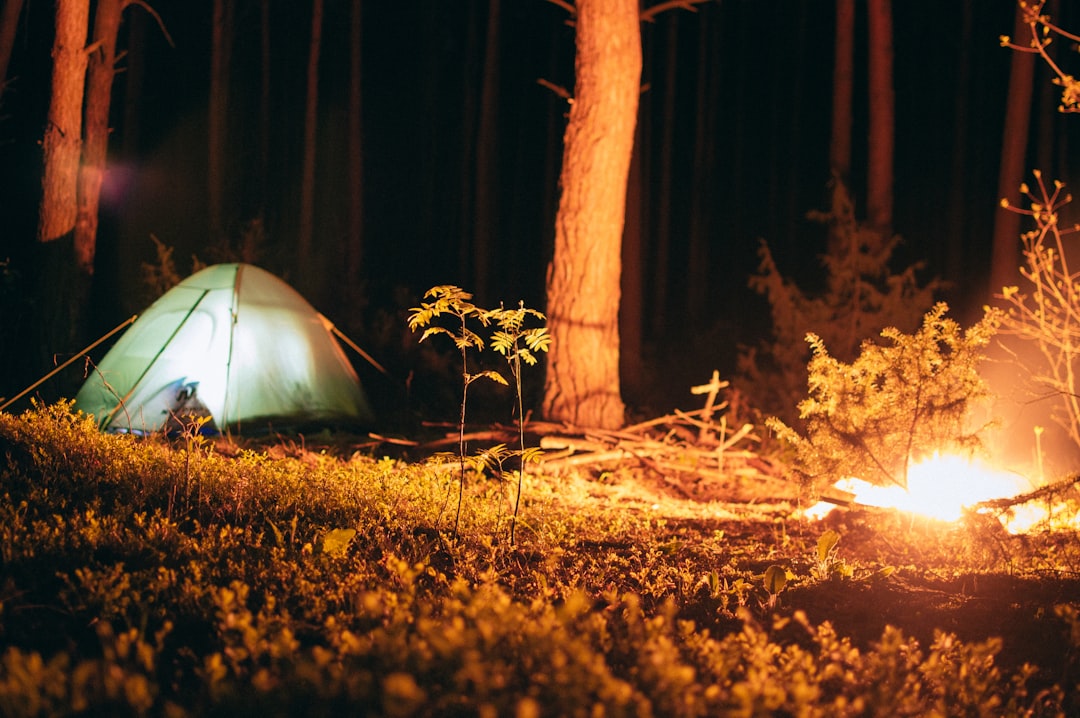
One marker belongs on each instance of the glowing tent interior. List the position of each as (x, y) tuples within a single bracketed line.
[(232, 342)]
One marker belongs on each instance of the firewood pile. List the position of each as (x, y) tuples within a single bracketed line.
[(695, 454)]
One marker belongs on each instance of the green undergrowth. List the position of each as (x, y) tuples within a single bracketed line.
[(148, 577)]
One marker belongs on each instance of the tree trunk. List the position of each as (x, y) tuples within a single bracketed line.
[(1048, 153), (843, 83), (135, 63), (1005, 251), (265, 105), (483, 226), (956, 251), (354, 251), (220, 61), (660, 198), (470, 132), (582, 383), (311, 117), (879, 180), (701, 198), (63, 132), (9, 20), (59, 284), (790, 206), (99, 81)]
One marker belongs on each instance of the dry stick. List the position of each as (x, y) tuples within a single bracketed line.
[(1042, 492), (667, 418), (711, 389), (66, 364)]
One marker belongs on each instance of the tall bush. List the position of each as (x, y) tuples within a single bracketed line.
[(905, 397), (1044, 310), (861, 296)]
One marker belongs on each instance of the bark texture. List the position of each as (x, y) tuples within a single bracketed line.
[(582, 382), (220, 63), (879, 181), (62, 145), (311, 118), (843, 88), (9, 20), (99, 81)]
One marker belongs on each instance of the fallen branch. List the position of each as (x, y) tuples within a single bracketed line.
[(694, 451), (1049, 491)]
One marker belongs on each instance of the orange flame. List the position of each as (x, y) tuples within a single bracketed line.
[(944, 486)]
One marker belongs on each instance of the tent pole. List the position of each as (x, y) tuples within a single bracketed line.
[(353, 346), (135, 385), (66, 364)]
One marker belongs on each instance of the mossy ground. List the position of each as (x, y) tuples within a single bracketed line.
[(299, 577)]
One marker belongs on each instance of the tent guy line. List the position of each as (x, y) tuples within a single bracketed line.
[(69, 362)]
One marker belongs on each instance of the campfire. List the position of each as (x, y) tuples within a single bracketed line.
[(945, 486)]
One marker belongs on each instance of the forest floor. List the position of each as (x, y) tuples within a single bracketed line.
[(970, 578), (663, 572)]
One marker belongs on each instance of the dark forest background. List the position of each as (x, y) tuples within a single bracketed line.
[(733, 148)]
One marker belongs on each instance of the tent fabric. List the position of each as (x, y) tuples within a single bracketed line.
[(233, 342)]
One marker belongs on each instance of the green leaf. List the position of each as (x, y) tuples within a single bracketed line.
[(336, 541), (431, 331), (775, 579), (279, 539), (532, 454), (537, 339), (826, 543), (502, 342), (493, 375)]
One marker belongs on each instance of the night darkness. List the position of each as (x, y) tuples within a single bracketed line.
[(764, 70)]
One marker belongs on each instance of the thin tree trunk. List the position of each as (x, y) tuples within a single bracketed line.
[(9, 21), (265, 123), (99, 82), (1047, 151), (355, 250), (790, 206), (471, 99), (133, 83), (220, 61), (311, 117), (955, 250), (62, 145), (556, 111), (843, 83), (434, 227), (582, 383), (697, 273), (1005, 251), (483, 226), (661, 304), (879, 190)]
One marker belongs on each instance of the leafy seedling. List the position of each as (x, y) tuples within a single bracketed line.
[(519, 344), (774, 580), (456, 303)]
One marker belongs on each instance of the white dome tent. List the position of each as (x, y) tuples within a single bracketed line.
[(231, 341)]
